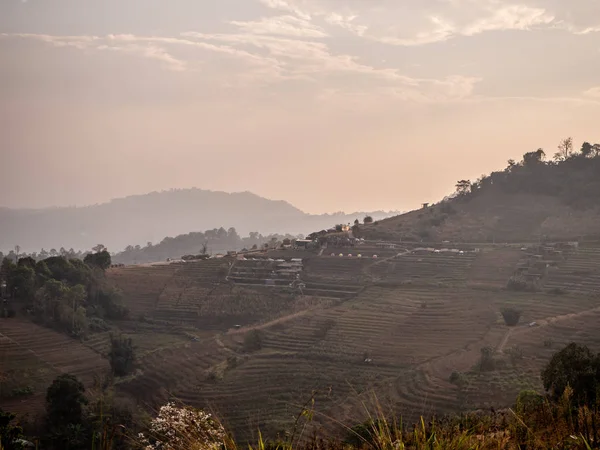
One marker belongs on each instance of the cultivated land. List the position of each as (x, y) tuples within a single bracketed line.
[(347, 329)]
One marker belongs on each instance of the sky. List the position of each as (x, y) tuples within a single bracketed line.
[(331, 105)]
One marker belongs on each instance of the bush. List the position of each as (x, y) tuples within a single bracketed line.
[(22, 392), (515, 353), (253, 341), (97, 324), (183, 428), (447, 208), (517, 283), (424, 233), (8, 313), (487, 362), (528, 402), (121, 356), (436, 221), (557, 291), (457, 378), (324, 328), (511, 316)]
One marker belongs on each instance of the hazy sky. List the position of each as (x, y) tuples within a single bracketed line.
[(329, 104)]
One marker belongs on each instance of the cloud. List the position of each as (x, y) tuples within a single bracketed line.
[(314, 61), (509, 17), (593, 92), (282, 25), (286, 5), (122, 43), (152, 47), (420, 22)]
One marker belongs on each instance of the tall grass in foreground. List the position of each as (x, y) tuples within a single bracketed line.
[(535, 425)]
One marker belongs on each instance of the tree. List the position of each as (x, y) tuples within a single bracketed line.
[(99, 248), (577, 367), (463, 187), (100, 259), (9, 433), (565, 150), (121, 356), (22, 282), (26, 261), (65, 400), (17, 250), (487, 362), (181, 429), (511, 316), (587, 150), (367, 220), (533, 158)]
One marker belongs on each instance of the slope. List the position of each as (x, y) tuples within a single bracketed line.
[(528, 201)]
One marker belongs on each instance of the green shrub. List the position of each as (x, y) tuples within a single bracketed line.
[(22, 392)]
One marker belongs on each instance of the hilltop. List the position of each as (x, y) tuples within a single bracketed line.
[(139, 219), (527, 201)]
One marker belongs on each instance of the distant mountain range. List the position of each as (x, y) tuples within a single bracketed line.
[(138, 219)]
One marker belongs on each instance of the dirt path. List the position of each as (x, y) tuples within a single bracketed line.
[(549, 321), (500, 348), (279, 320)]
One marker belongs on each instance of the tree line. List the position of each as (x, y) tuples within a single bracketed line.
[(68, 294), (210, 241), (572, 175)]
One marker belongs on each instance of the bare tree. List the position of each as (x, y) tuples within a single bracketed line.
[(565, 150), (17, 251)]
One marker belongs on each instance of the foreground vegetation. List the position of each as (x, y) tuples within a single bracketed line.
[(567, 417)]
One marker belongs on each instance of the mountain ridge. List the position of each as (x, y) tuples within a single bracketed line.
[(142, 218)]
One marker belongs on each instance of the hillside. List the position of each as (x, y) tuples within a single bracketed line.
[(408, 327), (139, 219), (530, 200)]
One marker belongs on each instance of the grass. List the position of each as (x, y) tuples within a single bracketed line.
[(529, 425)]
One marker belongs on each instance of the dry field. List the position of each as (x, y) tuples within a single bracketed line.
[(31, 355), (397, 327)]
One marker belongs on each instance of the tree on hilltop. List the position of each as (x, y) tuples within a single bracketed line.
[(533, 158), (463, 187), (565, 150), (367, 220)]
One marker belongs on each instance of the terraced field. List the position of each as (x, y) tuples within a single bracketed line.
[(142, 286), (395, 327), (33, 356), (580, 274), (494, 266), (448, 268)]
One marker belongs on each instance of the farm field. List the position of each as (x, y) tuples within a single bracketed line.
[(32, 356), (396, 329)]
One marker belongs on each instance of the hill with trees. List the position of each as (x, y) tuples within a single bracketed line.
[(146, 218), (537, 198), (197, 243)]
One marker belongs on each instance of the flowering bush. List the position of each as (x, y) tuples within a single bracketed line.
[(183, 429)]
